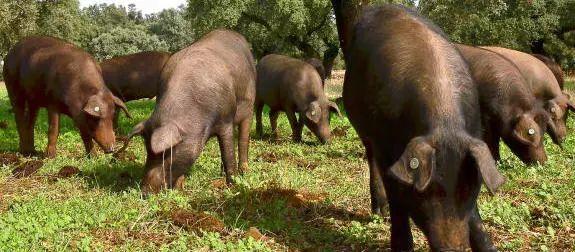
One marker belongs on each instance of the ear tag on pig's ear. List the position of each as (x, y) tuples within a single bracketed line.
[(414, 163), (531, 132), (97, 109), (313, 112), (553, 109)]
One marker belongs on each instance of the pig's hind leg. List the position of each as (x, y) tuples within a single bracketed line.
[(244, 142)]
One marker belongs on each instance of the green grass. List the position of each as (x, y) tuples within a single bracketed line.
[(300, 196)]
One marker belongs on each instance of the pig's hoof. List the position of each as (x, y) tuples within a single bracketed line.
[(244, 168), (50, 153)]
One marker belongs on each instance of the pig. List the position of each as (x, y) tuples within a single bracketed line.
[(46, 72), (293, 86), (543, 84), (554, 67), (508, 110), (206, 89), (134, 76), (318, 65), (411, 98)]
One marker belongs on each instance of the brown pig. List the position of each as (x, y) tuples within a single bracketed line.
[(45, 72), (135, 76)]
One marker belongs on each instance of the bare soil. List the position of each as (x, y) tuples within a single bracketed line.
[(27, 169), (196, 221)]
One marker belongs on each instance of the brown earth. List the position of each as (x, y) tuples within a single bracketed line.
[(27, 169)]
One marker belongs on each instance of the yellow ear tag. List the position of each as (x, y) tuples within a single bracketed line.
[(414, 163)]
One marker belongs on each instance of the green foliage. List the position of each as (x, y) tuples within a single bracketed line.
[(538, 26), (18, 20), (121, 41), (171, 26)]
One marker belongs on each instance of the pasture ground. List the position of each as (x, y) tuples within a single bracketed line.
[(295, 196)]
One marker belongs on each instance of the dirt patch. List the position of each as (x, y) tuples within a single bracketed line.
[(196, 221), (121, 138), (306, 164), (255, 233), (269, 157), (9, 159), (3, 124), (68, 171), (125, 156), (219, 183), (292, 197), (340, 131), (118, 237), (27, 169)]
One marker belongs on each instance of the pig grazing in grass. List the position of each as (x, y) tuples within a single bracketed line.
[(410, 97), (206, 90), (293, 86), (45, 72), (135, 76), (508, 110), (543, 84)]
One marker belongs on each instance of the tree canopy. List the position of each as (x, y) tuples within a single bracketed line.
[(300, 28)]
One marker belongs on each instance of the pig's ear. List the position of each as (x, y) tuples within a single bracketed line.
[(165, 137), (119, 103), (486, 165), (94, 106), (554, 110), (313, 112), (526, 130), (570, 103), (334, 108), (416, 166)]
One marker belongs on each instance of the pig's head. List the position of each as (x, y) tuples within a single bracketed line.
[(525, 137), (437, 180), (168, 155), (558, 109), (317, 117), (97, 118)]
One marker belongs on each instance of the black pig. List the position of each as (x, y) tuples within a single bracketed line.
[(411, 99), (205, 90), (508, 110), (291, 85)]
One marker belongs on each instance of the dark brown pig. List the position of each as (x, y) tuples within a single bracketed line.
[(508, 110), (554, 67), (45, 72), (293, 86), (206, 90), (543, 84), (411, 99), (318, 65), (134, 76)]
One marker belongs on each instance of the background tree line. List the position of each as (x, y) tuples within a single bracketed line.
[(301, 28)]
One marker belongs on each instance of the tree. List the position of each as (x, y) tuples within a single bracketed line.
[(121, 41), (171, 26), (18, 20), (300, 28), (537, 26)]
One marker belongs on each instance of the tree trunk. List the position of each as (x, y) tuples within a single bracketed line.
[(329, 57)]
